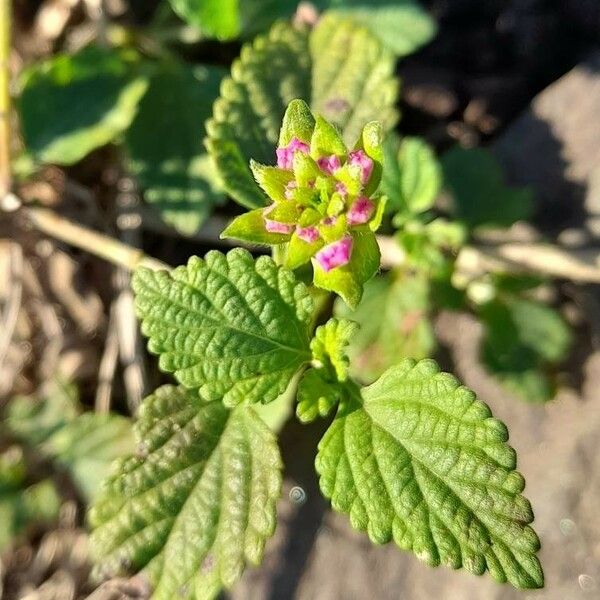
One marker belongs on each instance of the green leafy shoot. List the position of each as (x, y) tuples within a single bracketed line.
[(339, 69)]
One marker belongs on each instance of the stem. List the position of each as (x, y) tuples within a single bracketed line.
[(5, 105), (100, 245)]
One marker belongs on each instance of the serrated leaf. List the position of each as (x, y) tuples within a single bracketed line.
[(231, 326), (412, 176), (329, 346), (523, 340), (196, 504), (339, 69), (480, 195), (73, 104), (165, 147), (316, 396), (394, 324), (417, 459)]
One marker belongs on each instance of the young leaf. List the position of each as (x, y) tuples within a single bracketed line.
[(412, 175), (215, 18), (73, 104), (197, 501), (416, 458), (329, 346), (394, 324), (339, 69), (231, 326), (165, 146), (316, 396), (480, 195)]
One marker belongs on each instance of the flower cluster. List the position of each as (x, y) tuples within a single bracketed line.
[(323, 208)]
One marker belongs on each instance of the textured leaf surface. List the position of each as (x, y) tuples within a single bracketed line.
[(231, 326), (165, 146), (340, 69), (197, 502), (71, 105), (418, 459), (316, 396), (394, 324), (329, 346), (523, 340), (480, 195), (412, 176)]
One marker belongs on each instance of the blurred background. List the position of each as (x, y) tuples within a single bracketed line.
[(498, 105)]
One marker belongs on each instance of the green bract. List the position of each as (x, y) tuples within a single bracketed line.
[(323, 207)]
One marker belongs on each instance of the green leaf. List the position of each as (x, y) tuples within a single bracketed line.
[(83, 444), (523, 340), (480, 195), (20, 505), (394, 324), (215, 18), (417, 459), (35, 419), (231, 326), (73, 104), (412, 176), (316, 396), (329, 346), (165, 146), (87, 447), (196, 503), (340, 69), (401, 25)]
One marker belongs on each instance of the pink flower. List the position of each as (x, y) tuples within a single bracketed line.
[(358, 157), (289, 189), (340, 188), (285, 154), (336, 254), (329, 164), (307, 234), (360, 212), (273, 226), (277, 227)]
